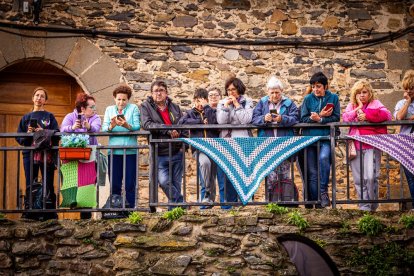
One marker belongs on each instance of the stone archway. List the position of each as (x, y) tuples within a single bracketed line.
[(94, 71)]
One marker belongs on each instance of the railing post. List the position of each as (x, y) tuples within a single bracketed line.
[(152, 176), (333, 164)]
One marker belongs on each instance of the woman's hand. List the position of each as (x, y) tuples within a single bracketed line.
[(315, 117), (326, 113), (112, 124), (76, 125), (361, 116), (268, 118), (87, 125), (358, 99)]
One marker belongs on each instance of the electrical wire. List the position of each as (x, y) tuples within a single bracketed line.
[(345, 44)]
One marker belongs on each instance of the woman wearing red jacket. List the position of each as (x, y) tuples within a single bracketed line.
[(365, 108)]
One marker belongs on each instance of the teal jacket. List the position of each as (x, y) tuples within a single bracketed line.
[(311, 103), (131, 113)]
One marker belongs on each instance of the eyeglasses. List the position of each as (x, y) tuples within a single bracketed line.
[(231, 89), (214, 95), (92, 107), (159, 91)]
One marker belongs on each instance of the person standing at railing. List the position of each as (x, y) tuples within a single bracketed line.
[(214, 97), (122, 117), (203, 114), (35, 121), (84, 118), (275, 108), (404, 110), (321, 106), (235, 109), (365, 108), (159, 110)]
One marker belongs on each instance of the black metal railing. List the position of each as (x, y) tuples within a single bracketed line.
[(149, 196)]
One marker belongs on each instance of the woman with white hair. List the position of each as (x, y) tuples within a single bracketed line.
[(276, 109)]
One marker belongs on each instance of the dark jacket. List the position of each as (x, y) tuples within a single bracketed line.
[(196, 117), (288, 111), (150, 117), (45, 119), (311, 103)]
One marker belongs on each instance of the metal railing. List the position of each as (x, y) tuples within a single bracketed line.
[(149, 196)]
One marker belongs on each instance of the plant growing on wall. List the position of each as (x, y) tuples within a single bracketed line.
[(370, 225), (135, 218), (296, 218), (174, 214), (276, 209), (407, 220)]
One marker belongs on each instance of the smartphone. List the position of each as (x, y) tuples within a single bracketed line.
[(79, 117), (33, 123), (120, 116), (329, 106), (273, 112)]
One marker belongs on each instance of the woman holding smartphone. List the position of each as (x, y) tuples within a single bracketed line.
[(122, 117), (365, 108), (275, 108), (38, 119), (84, 118)]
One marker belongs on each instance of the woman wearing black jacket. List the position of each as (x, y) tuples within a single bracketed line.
[(35, 121)]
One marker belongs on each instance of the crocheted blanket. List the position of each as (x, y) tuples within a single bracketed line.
[(78, 184), (247, 161), (399, 146)]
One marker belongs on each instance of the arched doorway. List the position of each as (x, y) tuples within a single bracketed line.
[(16, 86)]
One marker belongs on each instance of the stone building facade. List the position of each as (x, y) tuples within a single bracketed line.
[(99, 62)]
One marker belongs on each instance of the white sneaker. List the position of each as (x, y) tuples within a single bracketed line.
[(207, 200)]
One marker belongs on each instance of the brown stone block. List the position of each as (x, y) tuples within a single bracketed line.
[(330, 22), (33, 47), (200, 75), (277, 16), (367, 24), (185, 21), (399, 60), (289, 28)]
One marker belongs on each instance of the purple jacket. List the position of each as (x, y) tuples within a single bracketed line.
[(94, 121)]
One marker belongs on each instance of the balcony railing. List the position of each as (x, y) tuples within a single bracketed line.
[(149, 197)]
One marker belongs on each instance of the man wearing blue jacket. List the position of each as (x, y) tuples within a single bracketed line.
[(321, 106)]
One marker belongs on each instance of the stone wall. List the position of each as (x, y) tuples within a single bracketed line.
[(187, 66), (241, 242)]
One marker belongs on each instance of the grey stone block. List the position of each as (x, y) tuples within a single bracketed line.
[(312, 31), (101, 75), (33, 47), (399, 60), (59, 49), (367, 74), (11, 46), (83, 55), (358, 14)]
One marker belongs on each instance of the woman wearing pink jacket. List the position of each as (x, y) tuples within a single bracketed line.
[(365, 108)]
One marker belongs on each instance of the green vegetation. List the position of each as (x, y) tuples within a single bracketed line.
[(382, 259), (2, 216), (320, 242), (235, 211), (90, 241), (407, 220), (174, 214), (276, 209), (370, 225), (296, 218), (135, 218), (345, 228)]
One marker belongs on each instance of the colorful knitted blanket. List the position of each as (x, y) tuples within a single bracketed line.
[(399, 146), (78, 184), (247, 161)]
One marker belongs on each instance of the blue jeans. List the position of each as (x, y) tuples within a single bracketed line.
[(173, 194), (221, 178), (410, 182), (324, 162), (116, 170)]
